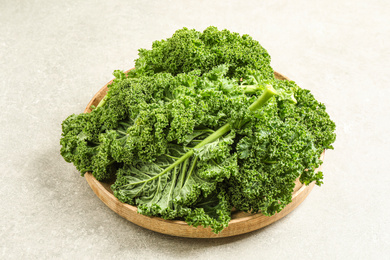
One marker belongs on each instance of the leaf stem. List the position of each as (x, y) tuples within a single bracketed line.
[(102, 102), (170, 156), (121, 132), (267, 94)]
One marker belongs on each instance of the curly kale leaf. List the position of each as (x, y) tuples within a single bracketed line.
[(213, 211), (183, 190), (278, 150), (270, 162), (143, 183), (189, 50)]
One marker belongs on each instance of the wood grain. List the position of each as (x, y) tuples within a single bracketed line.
[(240, 223)]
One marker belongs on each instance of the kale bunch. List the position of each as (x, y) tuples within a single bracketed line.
[(200, 126)]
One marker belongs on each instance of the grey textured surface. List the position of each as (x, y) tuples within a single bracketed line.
[(54, 55)]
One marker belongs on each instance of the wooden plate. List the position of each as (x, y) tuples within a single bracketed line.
[(240, 223)]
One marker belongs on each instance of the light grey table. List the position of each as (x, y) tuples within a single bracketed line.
[(54, 55)]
